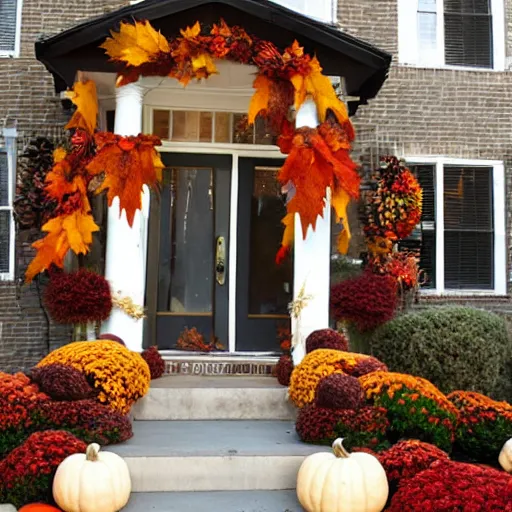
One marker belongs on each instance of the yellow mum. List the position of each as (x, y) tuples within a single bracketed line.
[(120, 375), (316, 365)]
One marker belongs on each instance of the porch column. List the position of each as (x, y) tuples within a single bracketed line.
[(126, 249), (311, 260)]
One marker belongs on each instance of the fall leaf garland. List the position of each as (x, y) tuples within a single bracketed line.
[(120, 165)]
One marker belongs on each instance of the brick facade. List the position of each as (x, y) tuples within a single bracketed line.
[(421, 111)]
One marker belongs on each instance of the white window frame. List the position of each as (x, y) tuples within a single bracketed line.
[(10, 135), (408, 51), (499, 217), (17, 41)]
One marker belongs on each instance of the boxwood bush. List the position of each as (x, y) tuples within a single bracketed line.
[(455, 348)]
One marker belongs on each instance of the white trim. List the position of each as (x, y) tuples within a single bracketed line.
[(499, 218), (17, 40), (10, 135), (408, 51), (233, 247)]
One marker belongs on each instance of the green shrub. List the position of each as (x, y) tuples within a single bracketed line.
[(453, 347)]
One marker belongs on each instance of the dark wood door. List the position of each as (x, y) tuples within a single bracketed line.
[(263, 289), (188, 277)]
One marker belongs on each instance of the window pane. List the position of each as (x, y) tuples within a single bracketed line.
[(425, 175), (263, 135), (243, 133), (427, 38), (270, 285), (161, 120), (4, 180), (469, 228), (427, 5), (186, 286), (205, 127), (222, 127), (185, 126), (5, 240), (468, 33), (7, 25)]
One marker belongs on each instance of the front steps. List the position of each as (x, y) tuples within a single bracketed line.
[(215, 398), (254, 501), (225, 444)]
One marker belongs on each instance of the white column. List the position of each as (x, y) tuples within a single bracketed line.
[(312, 260), (126, 250)]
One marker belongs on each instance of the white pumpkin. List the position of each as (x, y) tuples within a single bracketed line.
[(92, 482), (505, 458), (342, 482)]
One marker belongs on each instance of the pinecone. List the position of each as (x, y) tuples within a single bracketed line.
[(268, 58), (31, 206), (284, 369)]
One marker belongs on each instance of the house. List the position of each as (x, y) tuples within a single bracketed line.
[(445, 108)]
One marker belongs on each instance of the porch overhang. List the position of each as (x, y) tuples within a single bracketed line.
[(363, 66)]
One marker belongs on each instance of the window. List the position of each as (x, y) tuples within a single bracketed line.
[(7, 173), (463, 225), (452, 33), (322, 10), (10, 22), (209, 127)]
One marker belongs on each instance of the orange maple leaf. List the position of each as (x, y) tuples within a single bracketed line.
[(128, 164), (261, 97), (136, 44), (221, 30), (191, 32), (288, 237), (72, 231), (84, 97), (339, 201), (293, 51), (319, 87), (59, 182)]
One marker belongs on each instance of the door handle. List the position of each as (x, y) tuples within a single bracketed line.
[(220, 261)]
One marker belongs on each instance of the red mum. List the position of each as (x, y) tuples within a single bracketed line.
[(326, 338), (78, 297), (155, 362), (28, 471), (284, 369), (368, 300), (339, 391), (448, 486), (62, 382)]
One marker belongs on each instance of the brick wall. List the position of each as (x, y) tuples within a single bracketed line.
[(27, 97), (465, 114)]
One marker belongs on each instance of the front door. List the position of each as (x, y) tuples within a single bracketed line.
[(189, 267)]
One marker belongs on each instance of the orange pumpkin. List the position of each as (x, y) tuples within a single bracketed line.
[(39, 507)]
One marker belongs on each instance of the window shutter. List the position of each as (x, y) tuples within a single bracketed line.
[(5, 215), (468, 33), (468, 228), (425, 174), (8, 10)]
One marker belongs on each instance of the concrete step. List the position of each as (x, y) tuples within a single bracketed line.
[(185, 456), (239, 501), (214, 398)]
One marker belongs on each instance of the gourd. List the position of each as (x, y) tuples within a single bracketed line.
[(92, 482), (342, 482), (39, 507), (505, 458)]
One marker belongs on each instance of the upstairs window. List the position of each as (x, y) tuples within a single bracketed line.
[(7, 173), (452, 33), (10, 21)]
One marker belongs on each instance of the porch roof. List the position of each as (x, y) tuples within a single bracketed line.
[(364, 67)]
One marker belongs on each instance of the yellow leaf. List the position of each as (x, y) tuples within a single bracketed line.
[(191, 32), (339, 201), (58, 155), (319, 87), (84, 97), (159, 165), (135, 44), (79, 229), (260, 98), (289, 230), (204, 61)]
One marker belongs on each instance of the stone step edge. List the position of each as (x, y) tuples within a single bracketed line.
[(219, 366)]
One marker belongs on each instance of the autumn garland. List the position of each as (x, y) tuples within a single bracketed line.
[(318, 158)]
